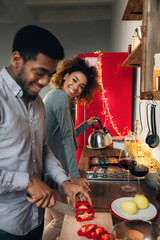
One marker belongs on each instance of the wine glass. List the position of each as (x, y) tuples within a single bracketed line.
[(125, 159), (139, 167)]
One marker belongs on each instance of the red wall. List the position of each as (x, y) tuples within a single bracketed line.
[(117, 82)]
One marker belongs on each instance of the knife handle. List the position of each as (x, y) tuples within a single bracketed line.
[(28, 195)]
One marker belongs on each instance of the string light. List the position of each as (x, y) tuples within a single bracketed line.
[(106, 111)]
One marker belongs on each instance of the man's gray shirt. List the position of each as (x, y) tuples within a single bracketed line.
[(23, 150)]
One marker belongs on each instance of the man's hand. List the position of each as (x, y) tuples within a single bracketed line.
[(82, 181), (40, 194), (73, 190)]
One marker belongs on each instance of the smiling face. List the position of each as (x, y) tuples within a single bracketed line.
[(32, 75), (74, 84)]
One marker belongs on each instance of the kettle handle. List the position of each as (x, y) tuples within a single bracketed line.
[(103, 128), (99, 124)]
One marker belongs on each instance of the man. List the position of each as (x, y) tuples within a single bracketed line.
[(24, 154)]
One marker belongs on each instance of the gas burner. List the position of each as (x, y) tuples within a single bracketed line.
[(100, 176), (106, 168), (103, 160)]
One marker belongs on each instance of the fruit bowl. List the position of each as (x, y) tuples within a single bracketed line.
[(135, 230)]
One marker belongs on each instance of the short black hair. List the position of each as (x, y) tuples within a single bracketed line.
[(31, 40)]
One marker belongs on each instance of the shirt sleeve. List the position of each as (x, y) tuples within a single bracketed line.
[(81, 128), (52, 166), (13, 181), (61, 109)]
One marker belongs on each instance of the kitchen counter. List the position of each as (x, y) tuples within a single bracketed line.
[(102, 193)]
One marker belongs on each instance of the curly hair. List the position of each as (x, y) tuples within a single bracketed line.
[(77, 64)]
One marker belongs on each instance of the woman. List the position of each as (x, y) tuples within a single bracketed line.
[(74, 82)]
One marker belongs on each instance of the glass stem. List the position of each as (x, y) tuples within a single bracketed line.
[(128, 177), (139, 185)]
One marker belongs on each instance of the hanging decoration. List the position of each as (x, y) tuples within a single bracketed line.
[(106, 111)]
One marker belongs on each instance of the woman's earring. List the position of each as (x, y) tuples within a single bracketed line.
[(66, 76)]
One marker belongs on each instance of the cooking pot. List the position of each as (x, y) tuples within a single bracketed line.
[(99, 138)]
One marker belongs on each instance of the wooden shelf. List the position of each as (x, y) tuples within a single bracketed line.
[(134, 59), (151, 95), (134, 10)]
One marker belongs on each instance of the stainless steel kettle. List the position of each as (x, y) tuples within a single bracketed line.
[(99, 138)]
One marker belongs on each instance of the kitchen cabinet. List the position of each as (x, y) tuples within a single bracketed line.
[(133, 11), (143, 56), (151, 46), (134, 59)]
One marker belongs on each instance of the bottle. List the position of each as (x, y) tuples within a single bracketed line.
[(135, 41), (139, 141), (129, 142), (156, 71)]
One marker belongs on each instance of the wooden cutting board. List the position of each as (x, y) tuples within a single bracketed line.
[(71, 225)]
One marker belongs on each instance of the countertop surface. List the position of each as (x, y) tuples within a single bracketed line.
[(102, 193)]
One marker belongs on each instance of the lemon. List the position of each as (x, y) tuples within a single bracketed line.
[(129, 207), (141, 201)]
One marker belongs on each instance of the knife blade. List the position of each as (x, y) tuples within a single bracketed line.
[(64, 208)]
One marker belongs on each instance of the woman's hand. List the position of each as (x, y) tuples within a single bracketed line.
[(82, 181), (72, 190), (93, 120)]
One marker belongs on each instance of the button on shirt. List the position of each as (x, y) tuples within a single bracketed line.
[(22, 149)]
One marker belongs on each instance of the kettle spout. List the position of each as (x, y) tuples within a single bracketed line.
[(105, 130)]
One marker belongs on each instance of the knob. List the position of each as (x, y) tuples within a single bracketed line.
[(95, 174), (104, 174)]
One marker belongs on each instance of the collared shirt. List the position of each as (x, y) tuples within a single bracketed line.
[(22, 149)]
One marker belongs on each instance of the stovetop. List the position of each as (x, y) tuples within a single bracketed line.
[(106, 168)]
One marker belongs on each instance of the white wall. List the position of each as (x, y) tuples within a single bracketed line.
[(80, 37), (121, 37), (122, 32)]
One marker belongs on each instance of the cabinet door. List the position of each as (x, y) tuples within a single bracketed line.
[(150, 47)]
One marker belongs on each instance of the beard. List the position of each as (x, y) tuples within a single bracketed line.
[(22, 83)]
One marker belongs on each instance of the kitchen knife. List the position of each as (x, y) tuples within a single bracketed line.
[(64, 208), (61, 207)]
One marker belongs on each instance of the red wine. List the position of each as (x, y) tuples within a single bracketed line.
[(125, 163), (138, 170)]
